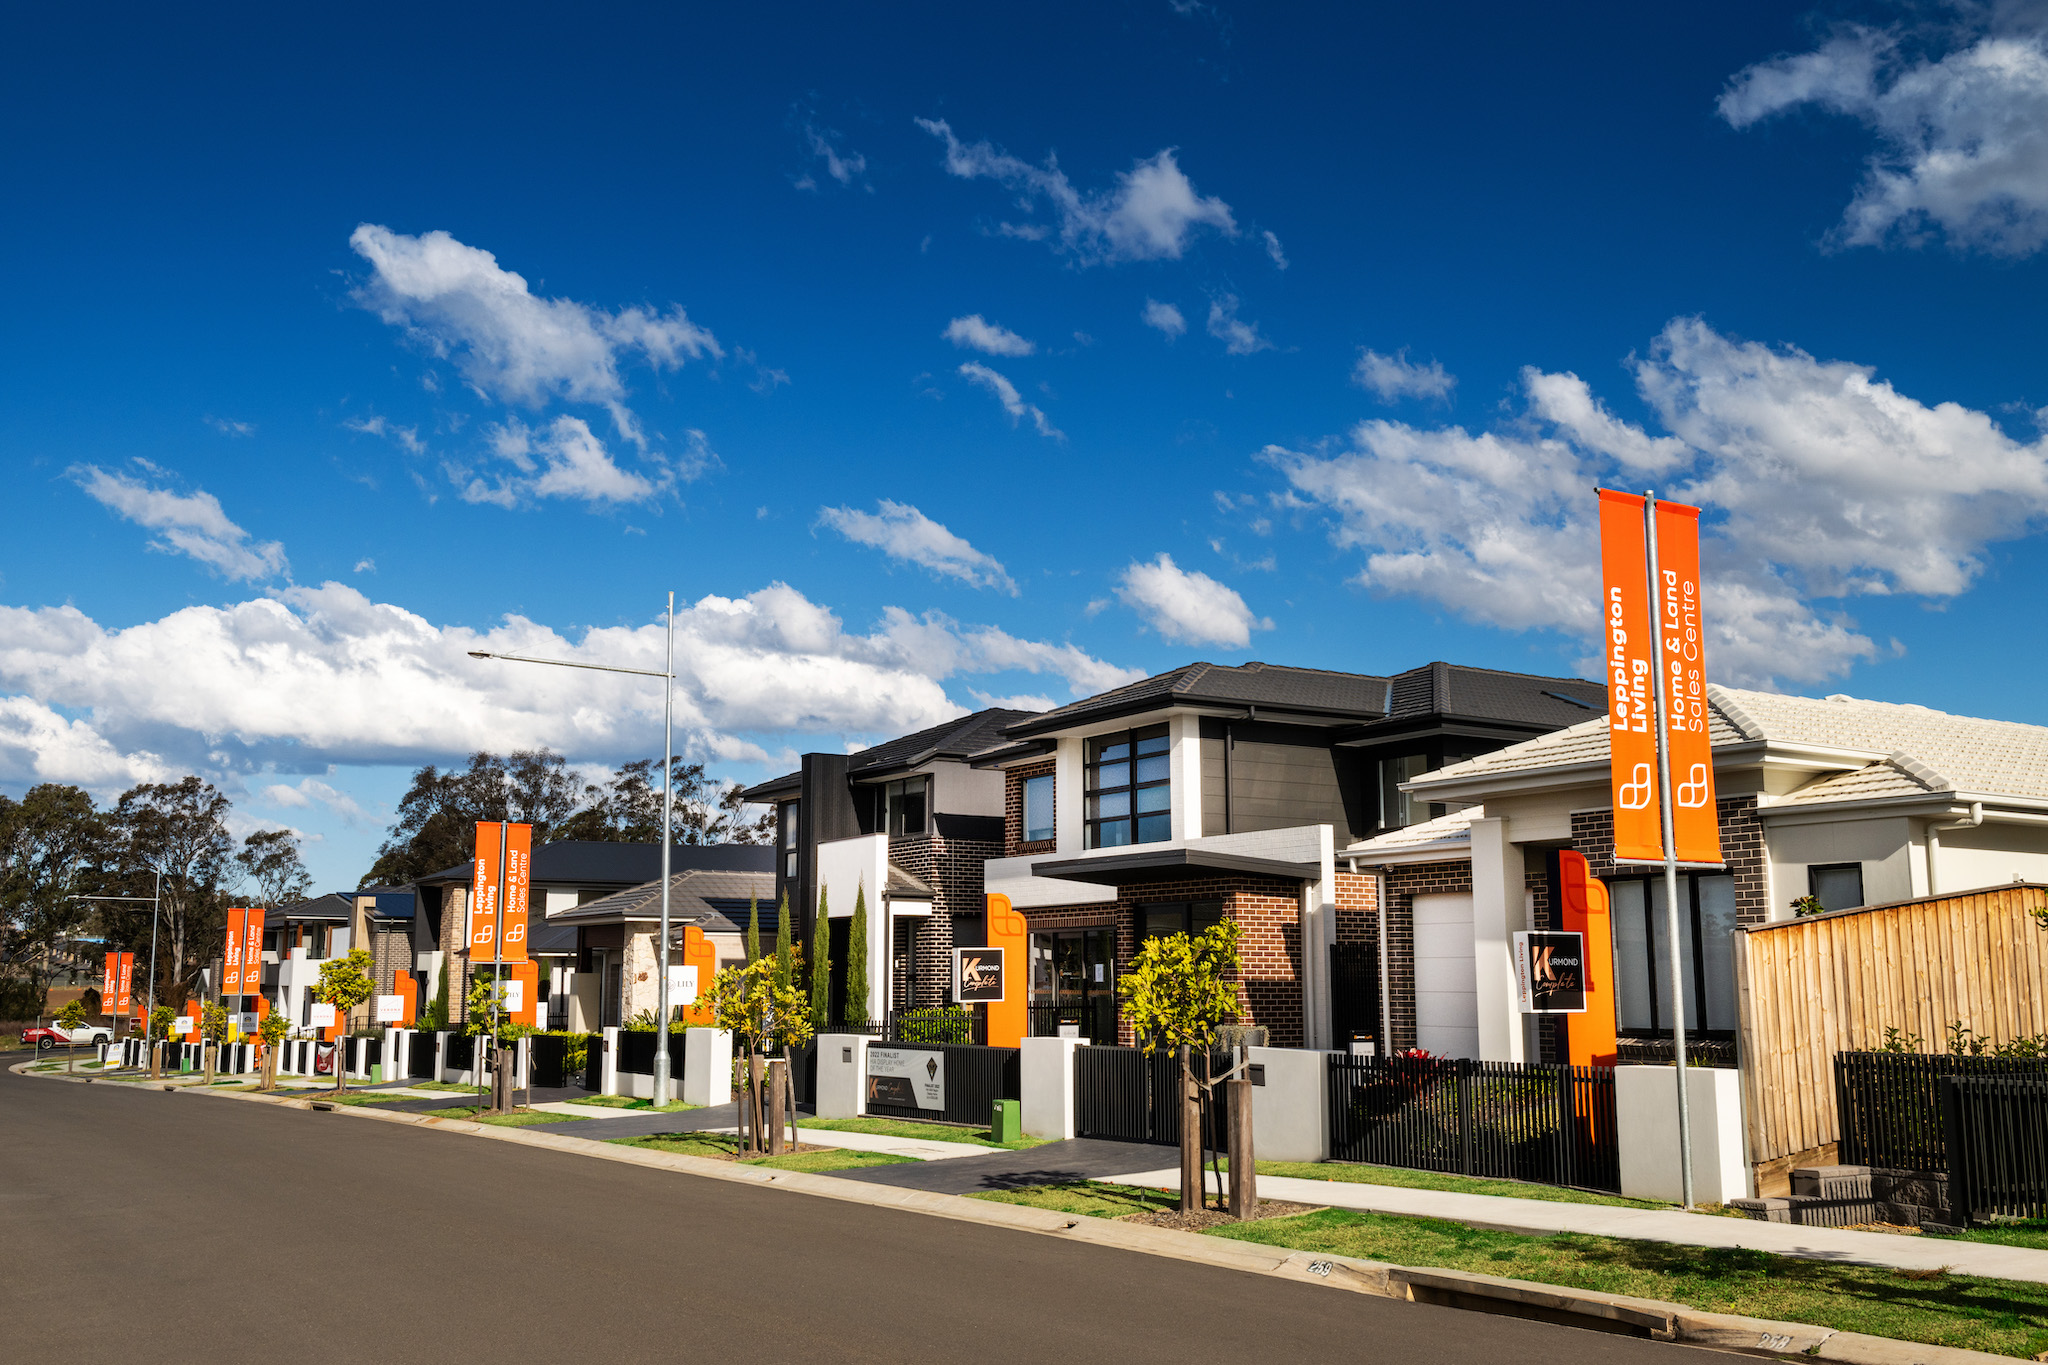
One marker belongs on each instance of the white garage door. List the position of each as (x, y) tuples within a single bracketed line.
[(1446, 980)]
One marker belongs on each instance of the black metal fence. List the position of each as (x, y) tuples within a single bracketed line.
[(558, 1060), (419, 1061), (1094, 1019), (976, 1077), (461, 1052), (1996, 1132), (1355, 991), (1889, 1104), (636, 1053), (1522, 1121), (1123, 1095)]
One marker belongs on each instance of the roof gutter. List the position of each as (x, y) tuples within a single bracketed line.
[(1975, 819)]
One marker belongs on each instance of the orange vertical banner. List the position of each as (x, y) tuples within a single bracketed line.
[(109, 982), (407, 988), (483, 893), (1696, 825), (232, 955), (1008, 1018), (252, 952), (518, 889), (1591, 1036), (124, 984), (701, 953), (1631, 676)]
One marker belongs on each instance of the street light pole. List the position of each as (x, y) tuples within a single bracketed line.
[(668, 677), (155, 904)]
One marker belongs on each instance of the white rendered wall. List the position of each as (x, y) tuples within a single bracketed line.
[(707, 1066), (1446, 989), (842, 1075), (848, 866), (1291, 1111), (1646, 1113), (1045, 1074), (1499, 909)]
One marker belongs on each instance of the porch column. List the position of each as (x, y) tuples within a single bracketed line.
[(1498, 911)]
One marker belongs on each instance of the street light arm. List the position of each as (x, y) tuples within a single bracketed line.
[(568, 663)]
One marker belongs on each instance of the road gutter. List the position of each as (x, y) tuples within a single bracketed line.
[(1587, 1309)]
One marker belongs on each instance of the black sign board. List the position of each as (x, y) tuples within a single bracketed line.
[(977, 975), (1550, 972)]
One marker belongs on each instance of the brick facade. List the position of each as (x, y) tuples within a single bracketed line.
[(953, 869), (1014, 845), (1357, 914), (1742, 848)]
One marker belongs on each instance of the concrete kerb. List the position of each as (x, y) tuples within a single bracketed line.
[(1520, 1298)]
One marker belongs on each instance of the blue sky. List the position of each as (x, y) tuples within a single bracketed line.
[(936, 355)]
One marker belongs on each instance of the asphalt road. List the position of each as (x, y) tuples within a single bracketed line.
[(149, 1224)]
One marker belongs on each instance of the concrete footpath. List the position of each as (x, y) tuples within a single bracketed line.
[(1544, 1217)]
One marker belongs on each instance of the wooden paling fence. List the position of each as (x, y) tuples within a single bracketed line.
[(1814, 987)]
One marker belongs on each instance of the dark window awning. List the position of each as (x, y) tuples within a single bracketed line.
[(1163, 864)]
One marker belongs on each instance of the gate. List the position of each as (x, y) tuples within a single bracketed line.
[(1554, 1125), (1355, 992), (593, 1063), (419, 1062), (1125, 1096), (461, 1052), (549, 1059), (976, 1077)]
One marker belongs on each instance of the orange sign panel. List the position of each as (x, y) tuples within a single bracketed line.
[(108, 982), (124, 984), (518, 890), (527, 974), (1634, 673), (407, 988), (252, 952), (483, 893), (701, 953), (231, 957), (1009, 1018), (1590, 1037)]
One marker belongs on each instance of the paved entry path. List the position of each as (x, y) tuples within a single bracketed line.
[(1074, 1159)]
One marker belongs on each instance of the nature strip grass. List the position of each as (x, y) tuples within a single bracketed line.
[(922, 1132), (1348, 1173), (2003, 1317), (718, 1147)]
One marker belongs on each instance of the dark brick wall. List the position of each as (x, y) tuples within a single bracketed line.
[(953, 867), (1742, 846), (1013, 810)]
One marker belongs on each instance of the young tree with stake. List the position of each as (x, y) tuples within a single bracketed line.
[(1176, 991), (760, 1012), (345, 984), (274, 1029)]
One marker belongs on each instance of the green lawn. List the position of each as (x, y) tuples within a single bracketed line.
[(628, 1102), (723, 1145), (1086, 1196), (2032, 1232), (1352, 1173), (449, 1086), (921, 1132), (2006, 1317), (524, 1118), (352, 1098)]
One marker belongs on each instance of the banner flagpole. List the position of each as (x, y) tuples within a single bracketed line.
[(1665, 799), (498, 952)]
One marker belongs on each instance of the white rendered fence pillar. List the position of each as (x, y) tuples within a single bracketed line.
[(608, 1079), (707, 1066), (1045, 1073)]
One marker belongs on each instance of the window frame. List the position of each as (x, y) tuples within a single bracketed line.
[(1660, 993), (1048, 783), (1813, 882), (1092, 763), (1212, 913), (892, 814)]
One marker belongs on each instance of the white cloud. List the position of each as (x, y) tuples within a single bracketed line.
[(1274, 250), (847, 168), (1165, 317), (408, 437), (1187, 606), (189, 523), (1964, 138), (365, 566), (230, 428), (902, 532), (318, 676), (1148, 216), (566, 459), (310, 792), (510, 344), (1393, 377), (1819, 481), (1238, 337), (1013, 402), (977, 333)]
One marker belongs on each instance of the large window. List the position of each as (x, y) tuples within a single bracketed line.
[(1038, 809), (906, 802), (1130, 788), (1706, 954), (1837, 886), (788, 809)]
